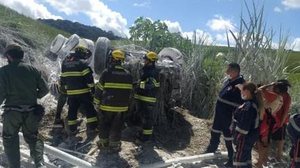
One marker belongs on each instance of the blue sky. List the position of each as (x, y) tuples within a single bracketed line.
[(208, 17)]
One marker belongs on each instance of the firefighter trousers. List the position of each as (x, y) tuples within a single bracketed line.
[(84, 100), (221, 125), (244, 144), (294, 135), (110, 127), (28, 122), (146, 111)]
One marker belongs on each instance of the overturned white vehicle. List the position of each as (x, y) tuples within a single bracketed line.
[(170, 65)]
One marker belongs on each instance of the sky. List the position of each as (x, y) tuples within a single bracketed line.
[(209, 18)]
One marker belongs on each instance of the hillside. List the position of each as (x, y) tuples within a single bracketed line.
[(28, 32), (89, 32)]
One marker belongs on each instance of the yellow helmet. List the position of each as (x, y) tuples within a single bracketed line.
[(151, 56), (81, 52), (118, 55)]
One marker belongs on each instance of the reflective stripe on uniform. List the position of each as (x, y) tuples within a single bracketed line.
[(75, 73), (119, 67), (78, 91), (117, 85), (114, 108), (72, 122), (240, 163), (96, 101), (145, 98), (241, 130), (114, 143), (156, 84), (92, 119), (147, 132), (91, 85), (228, 138), (99, 86), (228, 102), (216, 131), (101, 140), (293, 123), (86, 71)]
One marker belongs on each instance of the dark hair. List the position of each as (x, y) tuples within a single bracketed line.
[(251, 87), (15, 54), (255, 93), (234, 66), (282, 85)]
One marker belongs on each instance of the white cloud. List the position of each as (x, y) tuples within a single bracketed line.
[(143, 4), (174, 27), (199, 35), (220, 24), (30, 8), (277, 9), (291, 4), (99, 14), (296, 44)]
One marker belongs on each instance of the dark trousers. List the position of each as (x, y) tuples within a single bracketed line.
[(29, 122), (110, 126), (146, 111), (84, 100), (295, 150), (244, 145), (62, 99), (221, 124)]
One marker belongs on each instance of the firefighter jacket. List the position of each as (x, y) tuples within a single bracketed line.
[(21, 84), (293, 130), (246, 119), (76, 77), (148, 85), (113, 91), (230, 96)]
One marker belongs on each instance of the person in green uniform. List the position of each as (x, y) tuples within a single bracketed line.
[(20, 86)]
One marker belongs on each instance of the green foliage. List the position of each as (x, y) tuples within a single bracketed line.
[(155, 36), (254, 51), (203, 72), (34, 33)]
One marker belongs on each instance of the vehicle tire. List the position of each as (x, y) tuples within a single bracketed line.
[(102, 48), (72, 42), (172, 54), (57, 43)]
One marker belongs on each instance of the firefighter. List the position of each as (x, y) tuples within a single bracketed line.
[(246, 125), (293, 130), (20, 86), (77, 79), (229, 99), (146, 92), (112, 98)]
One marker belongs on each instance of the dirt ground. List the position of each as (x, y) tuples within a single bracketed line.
[(186, 136)]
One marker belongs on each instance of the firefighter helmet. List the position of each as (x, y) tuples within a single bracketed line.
[(151, 56), (118, 55), (81, 52)]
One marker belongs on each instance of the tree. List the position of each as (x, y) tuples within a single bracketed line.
[(155, 36)]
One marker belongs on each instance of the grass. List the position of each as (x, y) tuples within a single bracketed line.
[(37, 33), (294, 60)]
